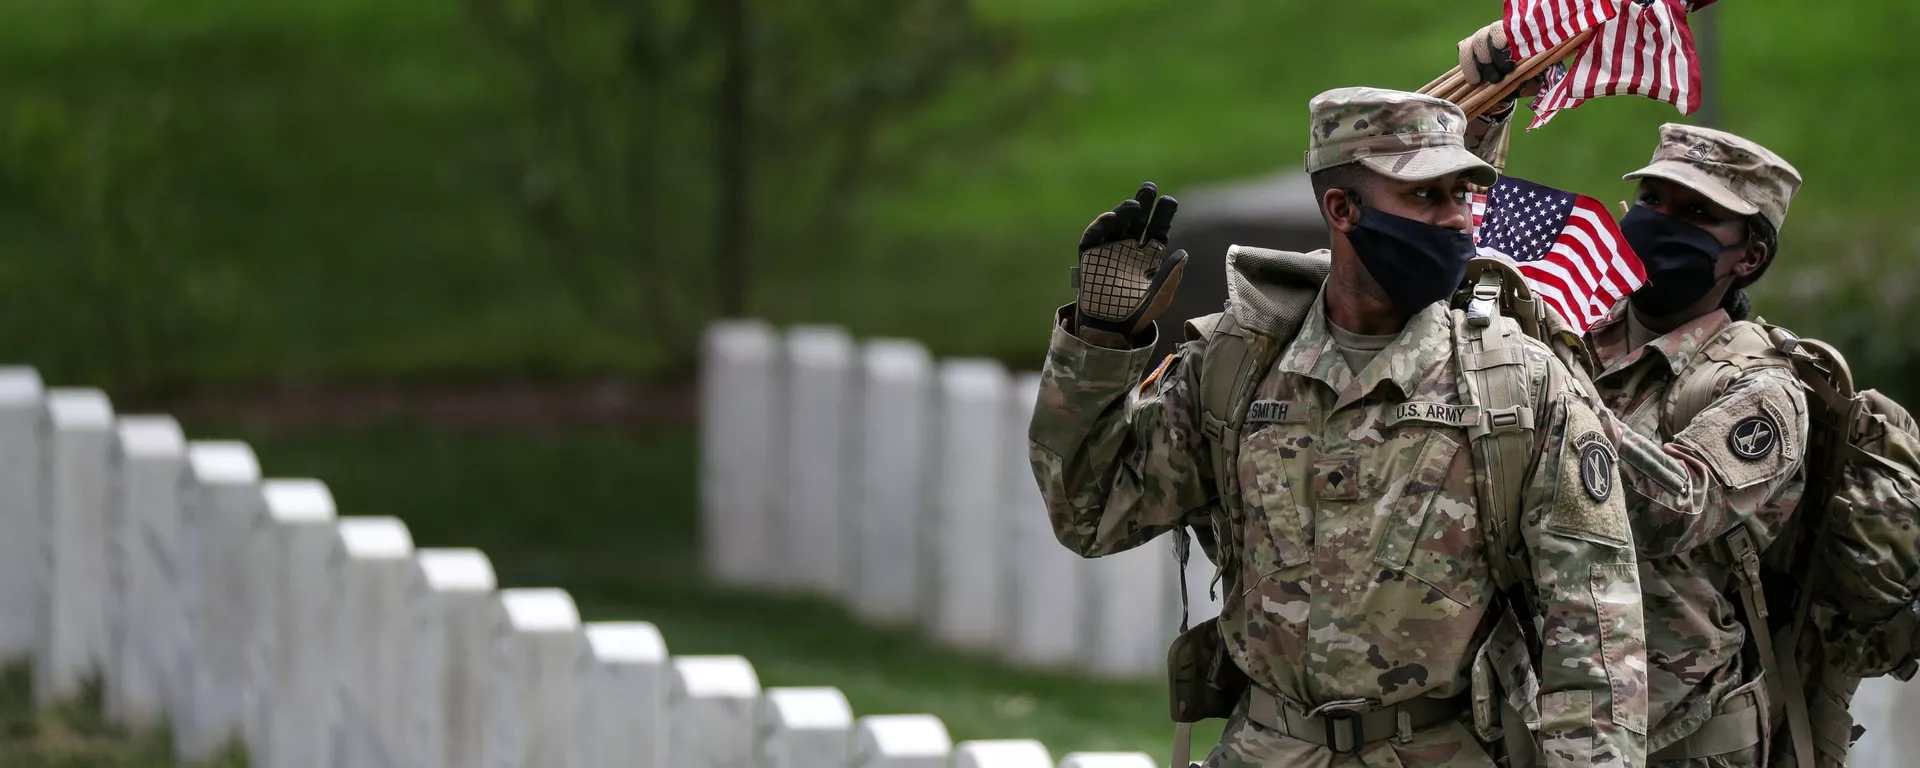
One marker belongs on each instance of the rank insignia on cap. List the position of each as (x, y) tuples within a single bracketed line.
[(1596, 471), (1752, 438)]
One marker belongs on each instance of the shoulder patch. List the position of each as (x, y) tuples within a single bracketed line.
[(1585, 502), (1596, 471), (1155, 376), (1753, 437), (1748, 437)]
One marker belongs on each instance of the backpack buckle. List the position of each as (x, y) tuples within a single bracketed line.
[(1784, 341), (1485, 303), (1494, 421)]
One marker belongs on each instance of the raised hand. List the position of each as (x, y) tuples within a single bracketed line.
[(1126, 278)]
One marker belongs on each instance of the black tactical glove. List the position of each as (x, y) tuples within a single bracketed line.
[(1126, 278), (1486, 56)]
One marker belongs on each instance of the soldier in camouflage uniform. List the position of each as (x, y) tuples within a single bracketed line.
[(1708, 468), (1365, 584), (1698, 467)]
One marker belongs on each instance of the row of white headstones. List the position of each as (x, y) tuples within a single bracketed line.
[(233, 611), (870, 473)]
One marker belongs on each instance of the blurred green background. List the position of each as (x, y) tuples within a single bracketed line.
[(203, 200)]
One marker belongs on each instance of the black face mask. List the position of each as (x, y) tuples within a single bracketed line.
[(1679, 258), (1416, 263)]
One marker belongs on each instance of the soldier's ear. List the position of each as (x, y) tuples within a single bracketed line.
[(1750, 258), (1341, 209)]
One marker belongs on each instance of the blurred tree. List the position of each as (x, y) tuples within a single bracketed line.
[(746, 130)]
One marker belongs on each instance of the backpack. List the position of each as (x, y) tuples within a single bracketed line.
[(1268, 296), (1837, 589)]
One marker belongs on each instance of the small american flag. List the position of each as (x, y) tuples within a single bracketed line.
[(1645, 49), (1535, 26), (1566, 245)]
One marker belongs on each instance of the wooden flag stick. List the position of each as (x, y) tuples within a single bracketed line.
[(1432, 87)]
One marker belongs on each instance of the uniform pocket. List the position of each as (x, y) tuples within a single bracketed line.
[(1270, 461), (1431, 527)]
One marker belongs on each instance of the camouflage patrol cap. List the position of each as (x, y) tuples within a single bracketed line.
[(1401, 135), (1741, 176)]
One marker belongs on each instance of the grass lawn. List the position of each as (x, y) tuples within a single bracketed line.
[(314, 190)]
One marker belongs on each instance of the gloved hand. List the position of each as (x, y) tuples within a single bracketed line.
[(1126, 278), (1486, 56)]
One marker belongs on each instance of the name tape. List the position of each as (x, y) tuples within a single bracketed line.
[(1278, 412), (1435, 413)]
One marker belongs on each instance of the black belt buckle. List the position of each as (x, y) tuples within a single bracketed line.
[(1356, 732)]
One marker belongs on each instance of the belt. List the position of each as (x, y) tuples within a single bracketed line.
[(1346, 726), (1726, 732)]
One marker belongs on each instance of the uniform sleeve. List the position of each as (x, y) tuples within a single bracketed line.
[(1586, 584), (1729, 466), (1119, 460), (1487, 137)]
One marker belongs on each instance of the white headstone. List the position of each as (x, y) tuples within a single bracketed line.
[(900, 741), (145, 522), (293, 544), (1010, 753), (1129, 619), (813, 527), (1885, 706), (219, 504), (1107, 760), (73, 641), (537, 639), (22, 402), (453, 657), (369, 570), (968, 530), (1043, 578), (894, 413), (740, 438), (623, 702), (710, 706), (804, 728)]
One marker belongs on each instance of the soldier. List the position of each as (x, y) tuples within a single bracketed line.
[(1368, 550), (1711, 422)]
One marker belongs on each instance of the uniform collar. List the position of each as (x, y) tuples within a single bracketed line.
[(1426, 341), (1608, 340)]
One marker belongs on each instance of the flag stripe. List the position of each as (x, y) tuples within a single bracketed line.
[(1645, 49)]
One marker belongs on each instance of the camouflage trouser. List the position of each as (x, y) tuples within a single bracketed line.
[(1246, 744)]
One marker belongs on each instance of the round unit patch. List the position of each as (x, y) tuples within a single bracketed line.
[(1753, 437), (1596, 471)]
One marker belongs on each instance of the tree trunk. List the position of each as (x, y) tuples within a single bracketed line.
[(733, 219)]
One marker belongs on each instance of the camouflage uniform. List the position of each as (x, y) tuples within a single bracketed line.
[(1689, 484), (1365, 574)]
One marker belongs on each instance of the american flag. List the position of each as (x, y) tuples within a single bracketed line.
[(1645, 49), (1566, 245), (1535, 26)]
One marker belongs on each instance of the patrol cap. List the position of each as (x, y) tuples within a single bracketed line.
[(1401, 135), (1741, 176)]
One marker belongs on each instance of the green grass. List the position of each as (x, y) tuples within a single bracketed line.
[(76, 735), (319, 189)]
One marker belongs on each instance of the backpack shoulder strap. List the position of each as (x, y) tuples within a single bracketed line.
[(1490, 353), (1736, 349)]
